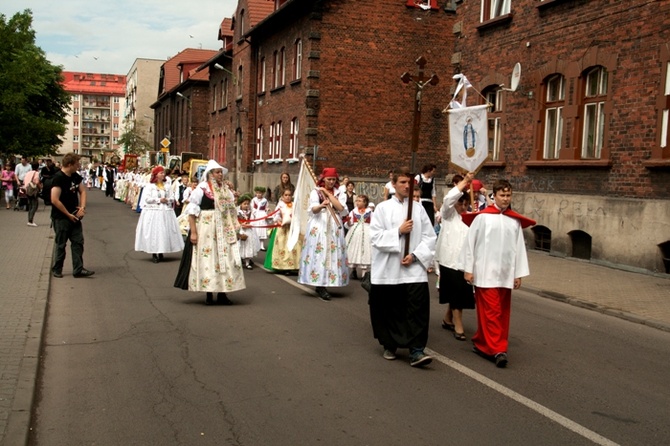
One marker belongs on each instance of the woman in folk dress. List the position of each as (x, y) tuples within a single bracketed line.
[(211, 260), (358, 237)]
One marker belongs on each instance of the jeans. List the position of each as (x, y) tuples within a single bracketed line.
[(32, 207), (66, 230)]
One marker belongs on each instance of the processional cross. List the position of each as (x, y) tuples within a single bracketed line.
[(420, 81)]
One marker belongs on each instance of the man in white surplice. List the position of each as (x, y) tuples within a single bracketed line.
[(400, 297)]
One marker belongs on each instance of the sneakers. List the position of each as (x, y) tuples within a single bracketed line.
[(501, 360), (58, 274), (30, 223), (389, 354), (84, 273), (420, 359)]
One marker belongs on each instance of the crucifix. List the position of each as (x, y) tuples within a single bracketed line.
[(420, 81)]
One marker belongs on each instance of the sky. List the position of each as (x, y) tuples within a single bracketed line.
[(96, 36)]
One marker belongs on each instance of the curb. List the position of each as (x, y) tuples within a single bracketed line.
[(19, 422), (630, 317)]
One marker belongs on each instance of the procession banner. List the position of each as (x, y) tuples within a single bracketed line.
[(468, 137), (303, 188)]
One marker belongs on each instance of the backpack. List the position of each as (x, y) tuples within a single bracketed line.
[(31, 189)]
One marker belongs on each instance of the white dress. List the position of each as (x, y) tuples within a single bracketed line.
[(323, 260), (157, 229), (259, 209), (359, 246), (250, 246)]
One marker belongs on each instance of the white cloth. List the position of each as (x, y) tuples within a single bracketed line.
[(20, 170), (388, 246), (452, 233), (494, 251), (249, 247), (359, 248), (157, 229)]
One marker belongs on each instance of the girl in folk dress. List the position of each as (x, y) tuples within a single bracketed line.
[(211, 260), (249, 243), (157, 229), (358, 237), (279, 257), (259, 209), (323, 261)]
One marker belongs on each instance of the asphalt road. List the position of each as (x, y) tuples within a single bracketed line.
[(130, 360)]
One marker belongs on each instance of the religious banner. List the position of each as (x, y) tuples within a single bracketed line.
[(303, 188), (468, 137)]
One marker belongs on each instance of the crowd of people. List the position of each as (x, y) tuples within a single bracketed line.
[(472, 241)]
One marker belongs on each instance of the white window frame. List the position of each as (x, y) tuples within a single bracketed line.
[(297, 64), (495, 8), (665, 122), (553, 119), (293, 142), (262, 74), (259, 144), (278, 136), (593, 129)]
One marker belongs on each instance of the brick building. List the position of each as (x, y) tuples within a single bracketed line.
[(584, 139), (180, 111)]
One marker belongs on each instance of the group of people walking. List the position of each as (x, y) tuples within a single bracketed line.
[(392, 247)]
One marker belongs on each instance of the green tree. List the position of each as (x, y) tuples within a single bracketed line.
[(132, 141), (33, 102)]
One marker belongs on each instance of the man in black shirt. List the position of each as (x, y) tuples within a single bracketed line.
[(68, 199), (46, 176)]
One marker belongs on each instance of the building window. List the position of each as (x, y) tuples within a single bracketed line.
[(224, 93), (282, 59), (277, 141), (116, 100), (221, 149), (75, 138), (495, 8), (271, 141), (75, 97), (279, 76), (494, 96), (293, 143), (595, 93), (214, 97), (259, 143), (297, 64), (75, 124), (75, 111), (423, 4), (261, 76), (665, 119), (238, 81), (241, 24), (553, 116), (116, 127), (116, 113)]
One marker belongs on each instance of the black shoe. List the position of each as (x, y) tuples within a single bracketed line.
[(154, 258), (210, 299), (501, 360), (58, 274), (222, 299), (160, 256), (323, 294), (84, 273)]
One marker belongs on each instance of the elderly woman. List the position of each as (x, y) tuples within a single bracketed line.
[(211, 261), (157, 229), (323, 260)]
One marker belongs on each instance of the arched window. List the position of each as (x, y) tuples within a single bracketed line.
[(297, 61), (593, 111), (293, 143), (554, 100), (258, 155), (261, 76), (494, 96)]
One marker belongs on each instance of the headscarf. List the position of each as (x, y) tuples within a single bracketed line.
[(329, 172), (155, 171)]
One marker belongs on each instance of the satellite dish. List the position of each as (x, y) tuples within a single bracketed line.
[(516, 78)]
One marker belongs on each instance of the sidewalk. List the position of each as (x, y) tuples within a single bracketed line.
[(640, 298)]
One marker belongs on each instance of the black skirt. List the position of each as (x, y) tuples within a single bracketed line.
[(454, 290), (181, 281)]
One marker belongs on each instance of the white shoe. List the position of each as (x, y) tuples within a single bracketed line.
[(32, 224)]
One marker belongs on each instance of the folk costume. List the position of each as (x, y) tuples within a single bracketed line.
[(157, 229), (214, 263), (358, 240), (259, 209), (279, 257), (495, 253), (323, 261), (248, 239), (400, 298)]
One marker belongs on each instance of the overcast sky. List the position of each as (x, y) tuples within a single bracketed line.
[(98, 36)]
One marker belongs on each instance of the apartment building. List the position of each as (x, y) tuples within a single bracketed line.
[(141, 92), (96, 115)]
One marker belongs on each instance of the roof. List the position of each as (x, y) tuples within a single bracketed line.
[(188, 59), (258, 10), (94, 83), (226, 28)]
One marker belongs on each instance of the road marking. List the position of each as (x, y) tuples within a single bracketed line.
[(532, 405), (509, 393)]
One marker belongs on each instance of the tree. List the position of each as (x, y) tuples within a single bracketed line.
[(132, 141), (33, 103)]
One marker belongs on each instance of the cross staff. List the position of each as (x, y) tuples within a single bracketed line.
[(420, 81)]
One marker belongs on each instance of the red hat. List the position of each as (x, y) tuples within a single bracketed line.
[(476, 185), (155, 171), (329, 172)]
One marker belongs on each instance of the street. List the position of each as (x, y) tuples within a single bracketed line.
[(130, 360)]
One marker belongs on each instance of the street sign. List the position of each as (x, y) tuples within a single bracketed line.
[(165, 143)]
